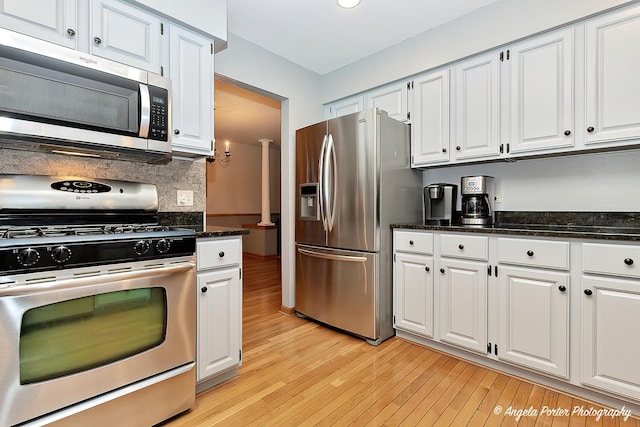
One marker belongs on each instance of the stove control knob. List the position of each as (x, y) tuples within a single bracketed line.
[(141, 247), (61, 254), (28, 257), (162, 246)]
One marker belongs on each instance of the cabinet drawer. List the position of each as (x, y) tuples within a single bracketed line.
[(537, 253), (464, 246), (617, 260), (413, 241), (218, 253)]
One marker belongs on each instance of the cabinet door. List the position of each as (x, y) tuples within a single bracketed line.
[(463, 304), (533, 319), (125, 34), (476, 131), (345, 106), (192, 91), (219, 322), (610, 335), (430, 121), (541, 91), (413, 293), (392, 99), (51, 20), (612, 83)]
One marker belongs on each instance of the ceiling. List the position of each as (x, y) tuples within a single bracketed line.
[(322, 37), (319, 36)]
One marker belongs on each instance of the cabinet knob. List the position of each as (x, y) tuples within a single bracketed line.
[(562, 288), (530, 253), (461, 247), (567, 132), (426, 269), (97, 41), (588, 292), (442, 270), (590, 129), (458, 147), (444, 150), (628, 261), (204, 289), (411, 242), (71, 32), (176, 131), (221, 254)]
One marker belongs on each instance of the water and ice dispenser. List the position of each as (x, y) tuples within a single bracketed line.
[(309, 207)]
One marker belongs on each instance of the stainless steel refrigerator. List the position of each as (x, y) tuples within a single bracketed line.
[(353, 180)]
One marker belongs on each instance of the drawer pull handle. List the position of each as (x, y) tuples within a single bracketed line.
[(588, 292), (567, 132), (442, 270), (530, 253), (461, 247), (221, 254), (562, 288), (590, 129), (411, 242), (426, 269), (628, 261), (204, 289)]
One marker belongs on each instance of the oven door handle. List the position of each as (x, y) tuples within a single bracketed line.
[(75, 282)]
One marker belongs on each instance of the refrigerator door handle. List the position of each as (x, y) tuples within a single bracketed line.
[(333, 173), (322, 255), (321, 184)]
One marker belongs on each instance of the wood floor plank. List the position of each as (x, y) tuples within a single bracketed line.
[(296, 372)]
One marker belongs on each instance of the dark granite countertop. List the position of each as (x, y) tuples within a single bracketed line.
[(574, 225), (219, 231)]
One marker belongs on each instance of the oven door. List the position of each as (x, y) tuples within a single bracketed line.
[(66, 341)]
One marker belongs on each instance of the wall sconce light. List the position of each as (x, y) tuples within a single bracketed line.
[(223, 160)]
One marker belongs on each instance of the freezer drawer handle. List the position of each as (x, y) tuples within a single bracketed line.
[(333, 257)]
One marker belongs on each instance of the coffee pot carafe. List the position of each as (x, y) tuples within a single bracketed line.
[(477, 200)]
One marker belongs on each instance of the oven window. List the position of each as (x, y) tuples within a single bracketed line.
[(84, 333)]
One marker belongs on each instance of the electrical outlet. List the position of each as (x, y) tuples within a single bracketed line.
[(498, 198), (185, 198)]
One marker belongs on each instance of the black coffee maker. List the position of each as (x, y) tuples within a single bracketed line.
[(440, 204), (477, 200)]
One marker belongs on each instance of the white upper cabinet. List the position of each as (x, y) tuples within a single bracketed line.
[(345, 106), (476, 107), (55, 21), (192, 92), (392, 99), (125, 34), (612, 82), (430, 121), (541, 93)]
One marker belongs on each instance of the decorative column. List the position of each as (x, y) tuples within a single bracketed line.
[(266, 196)]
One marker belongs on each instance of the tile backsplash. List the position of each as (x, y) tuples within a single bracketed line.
[(175, 175)]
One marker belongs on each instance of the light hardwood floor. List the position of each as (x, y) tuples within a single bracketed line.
[(298, 373)]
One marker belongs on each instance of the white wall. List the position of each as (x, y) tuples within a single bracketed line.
[(251, 65), (606, 182), (486, 28)]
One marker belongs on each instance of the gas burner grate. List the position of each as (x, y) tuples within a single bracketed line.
[(60, 231)]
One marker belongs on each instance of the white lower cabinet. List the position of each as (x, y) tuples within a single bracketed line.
[(533, 319), (219, 336), (463, 304), (413, 301), (562, 312), (610, 309)]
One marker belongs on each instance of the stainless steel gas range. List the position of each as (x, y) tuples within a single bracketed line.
[(97, 304)]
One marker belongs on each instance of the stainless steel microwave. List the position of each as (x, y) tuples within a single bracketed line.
[(60, 100)]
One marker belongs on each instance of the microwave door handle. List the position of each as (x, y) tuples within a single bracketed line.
[(145, 111), (321, 172)]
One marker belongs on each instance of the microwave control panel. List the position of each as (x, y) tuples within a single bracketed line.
[(158, 127)]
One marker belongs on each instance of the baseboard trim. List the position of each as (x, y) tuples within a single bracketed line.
[(288, 311)]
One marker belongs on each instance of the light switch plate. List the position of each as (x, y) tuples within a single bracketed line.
[(185, 198)]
